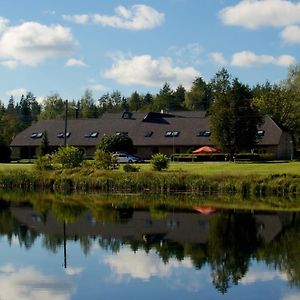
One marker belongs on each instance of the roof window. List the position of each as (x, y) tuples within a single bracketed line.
[(148, 133), (203, 133), (121, 133), (36, 135), (260, 133), (92, 134), (172, 133), (61, 135)]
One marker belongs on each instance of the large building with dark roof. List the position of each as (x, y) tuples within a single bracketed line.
[(152, 132)]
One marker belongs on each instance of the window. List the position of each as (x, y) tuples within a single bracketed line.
[(203, 133), (260, 133), (148, 133), (61, 135), (36, 135), (172, 133), (92, 134), (121, 133)]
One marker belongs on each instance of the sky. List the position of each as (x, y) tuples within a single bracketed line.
[(67, 47)]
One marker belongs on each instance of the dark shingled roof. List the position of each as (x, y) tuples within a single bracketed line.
[(186, 123)]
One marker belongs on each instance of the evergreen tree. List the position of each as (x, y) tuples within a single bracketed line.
[(164, 98), (45, 146), (233, 121), (199, 97), (135, 101)]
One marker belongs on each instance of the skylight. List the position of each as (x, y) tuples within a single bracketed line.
[(172, 133), (92, 134), (61, 135), (121, 133), (36, 135), (260, 133), (148, 133), (203, 133)]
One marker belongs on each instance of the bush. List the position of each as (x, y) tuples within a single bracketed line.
[(159, 162), (105, 160), (130, 168), (68, 157), (114, 143), (5, 153), (44, 162)]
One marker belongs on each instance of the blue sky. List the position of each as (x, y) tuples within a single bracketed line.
[(69, 46)]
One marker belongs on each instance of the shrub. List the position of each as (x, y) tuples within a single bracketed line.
[(68, 157), (5, 153), (130, 168), (105, 160), (44, 162), (159, 162), (114, 143)]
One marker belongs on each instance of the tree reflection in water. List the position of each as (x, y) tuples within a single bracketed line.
[(233, 238)]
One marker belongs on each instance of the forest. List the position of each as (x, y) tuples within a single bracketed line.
[(280, 101)]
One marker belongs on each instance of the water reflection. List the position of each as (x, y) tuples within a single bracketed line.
[(224, 243)]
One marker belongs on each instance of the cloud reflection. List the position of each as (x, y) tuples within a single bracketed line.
[(141, 265), (30, 284), (257, 275)]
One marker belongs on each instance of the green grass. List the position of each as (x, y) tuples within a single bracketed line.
[(230, 168), (206, 168), (16, 166)]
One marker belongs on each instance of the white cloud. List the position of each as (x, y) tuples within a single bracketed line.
[(189, 54), (291, 34), (256, 275), (144, 70), (256, 13), (97, 87), (218, 58), (145, 265), (250, 59), (292, 296), (72, 62), (79, 19), (18, 92), (71, 271), (10, 64), (29, 284), (3, 24), (137, 17), (9, 268), (31, 42)]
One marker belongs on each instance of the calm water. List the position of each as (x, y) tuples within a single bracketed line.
[(62, 252)]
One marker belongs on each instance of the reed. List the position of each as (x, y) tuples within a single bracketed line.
[(90, 180)]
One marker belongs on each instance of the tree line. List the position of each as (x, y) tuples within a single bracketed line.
[(226, 99)]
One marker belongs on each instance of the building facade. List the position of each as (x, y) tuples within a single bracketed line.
[(152, 132)]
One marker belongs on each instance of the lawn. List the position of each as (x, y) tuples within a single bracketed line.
[(206, 168), (230, 168)]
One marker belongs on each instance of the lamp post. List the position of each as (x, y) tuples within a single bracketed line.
[(66, 123), (66, 119), (292, 149)]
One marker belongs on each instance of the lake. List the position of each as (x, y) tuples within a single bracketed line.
[(62, 250)]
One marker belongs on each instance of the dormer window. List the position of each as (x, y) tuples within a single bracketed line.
[(203, 133), (36, 135), (61, 135)]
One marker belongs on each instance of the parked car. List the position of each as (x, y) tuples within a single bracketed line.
[(123, 157)]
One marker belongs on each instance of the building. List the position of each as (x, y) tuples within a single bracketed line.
[(152, 132)]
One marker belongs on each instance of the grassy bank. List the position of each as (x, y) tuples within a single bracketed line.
[(91, 180), (205, 168)]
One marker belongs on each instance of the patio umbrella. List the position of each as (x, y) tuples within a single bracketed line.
[(206, 149), (205, 210)]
